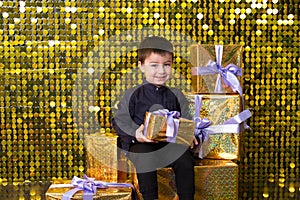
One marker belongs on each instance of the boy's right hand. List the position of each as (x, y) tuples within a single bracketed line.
[(140, 136)]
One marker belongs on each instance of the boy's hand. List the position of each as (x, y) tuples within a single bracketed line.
[(195, 142), (140, 136)]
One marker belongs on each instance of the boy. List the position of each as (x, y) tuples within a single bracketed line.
[(155, 58)]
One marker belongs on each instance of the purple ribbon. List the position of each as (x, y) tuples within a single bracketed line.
[(172, 118), (204, 127), (228, 74), (232, 125), (200, 131), (89, 186), (198, 104)]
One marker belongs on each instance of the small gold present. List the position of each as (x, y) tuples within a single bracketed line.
[(105, 161), (205, 80), (177, 130), (59, 188), (219, 108)]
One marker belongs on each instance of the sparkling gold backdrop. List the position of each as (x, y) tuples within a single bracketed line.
[(64, 64)]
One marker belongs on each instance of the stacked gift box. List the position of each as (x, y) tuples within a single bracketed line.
[(105, 161), (217, 105), (216, 101)]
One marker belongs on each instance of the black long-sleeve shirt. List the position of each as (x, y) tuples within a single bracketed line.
[(140, 99)]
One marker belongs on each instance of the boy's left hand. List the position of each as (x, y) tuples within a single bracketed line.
[(194, 143)]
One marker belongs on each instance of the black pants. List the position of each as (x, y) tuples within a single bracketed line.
[(147, 157)]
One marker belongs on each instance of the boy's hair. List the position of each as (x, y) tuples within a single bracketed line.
[(154, 44)]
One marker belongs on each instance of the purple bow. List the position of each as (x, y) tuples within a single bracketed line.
[(200, 132), (201, 125), (89, 186)]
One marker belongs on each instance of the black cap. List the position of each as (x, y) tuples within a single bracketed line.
[(155, 42)]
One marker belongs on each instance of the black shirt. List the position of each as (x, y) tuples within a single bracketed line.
[(140, 99)]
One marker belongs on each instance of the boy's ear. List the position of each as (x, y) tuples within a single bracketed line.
[(141, 66)]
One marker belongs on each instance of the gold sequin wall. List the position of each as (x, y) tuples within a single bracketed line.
[(64, 65)]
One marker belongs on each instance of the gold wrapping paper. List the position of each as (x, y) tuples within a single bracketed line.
[(201, 54), (218, 108), (214, 179), (105, 161), (157, 125), (120, 193)]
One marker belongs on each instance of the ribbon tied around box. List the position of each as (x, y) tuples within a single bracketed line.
[(204, 128), (228, 74), (172, 120), (88, 185)]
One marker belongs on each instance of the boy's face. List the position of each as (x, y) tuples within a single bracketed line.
[(157, 68)]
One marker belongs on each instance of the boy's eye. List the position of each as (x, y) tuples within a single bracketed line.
[(157, 65)]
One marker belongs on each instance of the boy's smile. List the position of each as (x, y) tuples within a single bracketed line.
[(157, 68)]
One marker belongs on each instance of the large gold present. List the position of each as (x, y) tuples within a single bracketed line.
[(218, 109), (214, 179), (167, 128), (59, 188), (105, 161), (205, 75)]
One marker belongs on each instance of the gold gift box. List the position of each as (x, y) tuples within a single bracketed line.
[(214, 179), (105, 161), (218, 108), (56, 193), (200, 56), (157, 126)]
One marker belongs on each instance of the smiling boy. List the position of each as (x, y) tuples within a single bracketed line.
[(155, 59)]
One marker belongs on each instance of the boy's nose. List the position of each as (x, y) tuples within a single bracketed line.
[(161, 69)]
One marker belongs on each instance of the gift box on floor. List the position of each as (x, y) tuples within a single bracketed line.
[(219, 139), (166, 126), (214, 66), (214, 179), (105, 161), (58, 189)]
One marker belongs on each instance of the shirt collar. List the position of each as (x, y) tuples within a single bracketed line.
[(153, 87)]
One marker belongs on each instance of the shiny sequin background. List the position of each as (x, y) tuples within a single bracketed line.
[(46, 47)]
